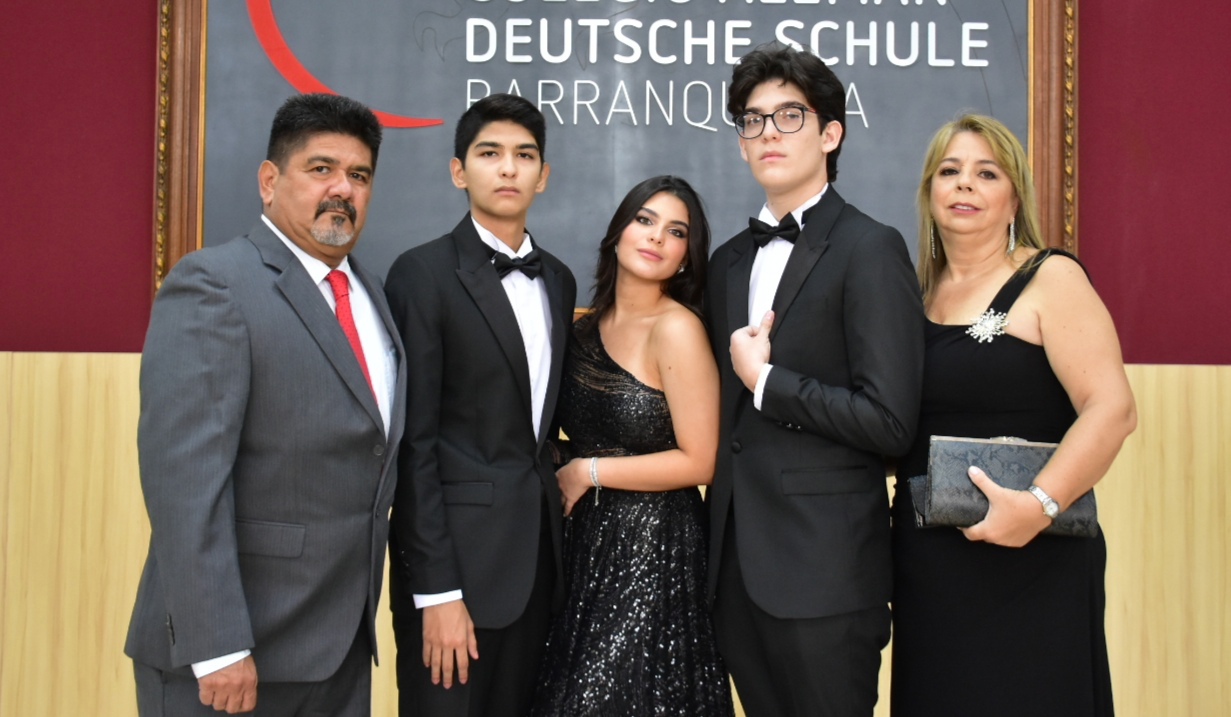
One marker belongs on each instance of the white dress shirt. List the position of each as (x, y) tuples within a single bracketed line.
[(378, 348), (533, 311), (530, 305), (767, 269), (378, 351)]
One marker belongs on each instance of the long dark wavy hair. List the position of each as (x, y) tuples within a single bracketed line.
[(686, 287)]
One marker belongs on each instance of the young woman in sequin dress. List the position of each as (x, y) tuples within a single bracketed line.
[(639, 403)]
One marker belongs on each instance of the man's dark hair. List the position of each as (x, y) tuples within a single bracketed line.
[(821, 87), (303, 116), (499, 108)]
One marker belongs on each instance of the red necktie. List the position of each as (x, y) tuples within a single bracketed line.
[(341, 293)]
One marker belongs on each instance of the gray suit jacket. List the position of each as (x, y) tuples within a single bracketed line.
[(266, 470)]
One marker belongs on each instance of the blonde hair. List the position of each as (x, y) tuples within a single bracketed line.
[(1009, 156)]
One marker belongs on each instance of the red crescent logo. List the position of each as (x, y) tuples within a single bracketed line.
[(293, 71)]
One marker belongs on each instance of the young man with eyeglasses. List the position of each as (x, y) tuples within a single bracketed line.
[(822, 380)]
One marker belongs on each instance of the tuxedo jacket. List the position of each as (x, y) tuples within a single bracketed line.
[(805, 475), (266, 470), (468, 514)]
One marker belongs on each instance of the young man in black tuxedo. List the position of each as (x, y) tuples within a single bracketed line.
[(485, 313), (824, 327)]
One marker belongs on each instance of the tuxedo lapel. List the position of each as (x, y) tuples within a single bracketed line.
[(809, 247), (739, 273), (743, 251), (561, 325), (306, 300), (481, 281)]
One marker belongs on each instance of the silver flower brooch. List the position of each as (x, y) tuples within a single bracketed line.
[(988, 326)]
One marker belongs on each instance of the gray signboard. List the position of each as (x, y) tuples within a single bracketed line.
[(630, 89)]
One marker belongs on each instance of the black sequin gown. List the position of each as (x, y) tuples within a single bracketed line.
[(635, 636), (981, 629)]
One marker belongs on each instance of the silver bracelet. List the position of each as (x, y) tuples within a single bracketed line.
[(594, 478)]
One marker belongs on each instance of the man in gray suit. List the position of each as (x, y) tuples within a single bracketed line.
[(272, 389)]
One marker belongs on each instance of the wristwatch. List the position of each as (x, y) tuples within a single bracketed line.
[(1050, 507)]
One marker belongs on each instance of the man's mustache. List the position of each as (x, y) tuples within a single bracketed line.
[(336, 205)]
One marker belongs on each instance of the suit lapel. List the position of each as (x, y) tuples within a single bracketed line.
[(306, 299), (739, 273), (481, 281), (561, 325), (812, 243), (377, 293), (397, 409)]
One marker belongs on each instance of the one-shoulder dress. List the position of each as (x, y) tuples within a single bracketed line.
[(635, 636), (981, 629)]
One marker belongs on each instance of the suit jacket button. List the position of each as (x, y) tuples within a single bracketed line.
[(736, 447), (378, 450)]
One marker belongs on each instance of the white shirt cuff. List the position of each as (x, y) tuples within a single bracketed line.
[(759, 392), (422, 601), (201, 669)]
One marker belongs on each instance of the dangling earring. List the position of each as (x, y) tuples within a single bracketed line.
[(680, 270), (932, 238), (1012, 236)]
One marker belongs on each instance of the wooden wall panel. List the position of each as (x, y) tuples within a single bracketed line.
[(6, 412), (1166, 509), (74, 536), (74, 533)]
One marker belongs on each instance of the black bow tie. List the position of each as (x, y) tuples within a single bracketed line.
[(531, 264), (763, 233), (787, 229)]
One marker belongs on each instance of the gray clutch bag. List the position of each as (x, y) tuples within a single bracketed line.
[(946, 497)]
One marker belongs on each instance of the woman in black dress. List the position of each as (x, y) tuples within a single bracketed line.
[(639, 403), (995, 619)]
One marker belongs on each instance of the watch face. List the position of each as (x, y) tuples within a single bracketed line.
[(1051, 509)]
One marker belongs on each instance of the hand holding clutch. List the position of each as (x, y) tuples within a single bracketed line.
[(1014, 517), (947, 497)]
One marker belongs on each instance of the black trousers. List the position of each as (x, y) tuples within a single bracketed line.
[(502, 680), (346, 693), (813, 667)]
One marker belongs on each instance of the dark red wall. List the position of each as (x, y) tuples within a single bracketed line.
[(1154, 151), (79, 86)]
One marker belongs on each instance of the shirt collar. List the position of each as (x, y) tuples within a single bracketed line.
[(316, 268), (495, 244), (798, 212)]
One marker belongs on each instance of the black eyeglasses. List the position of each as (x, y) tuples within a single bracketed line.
[(750, 125)]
